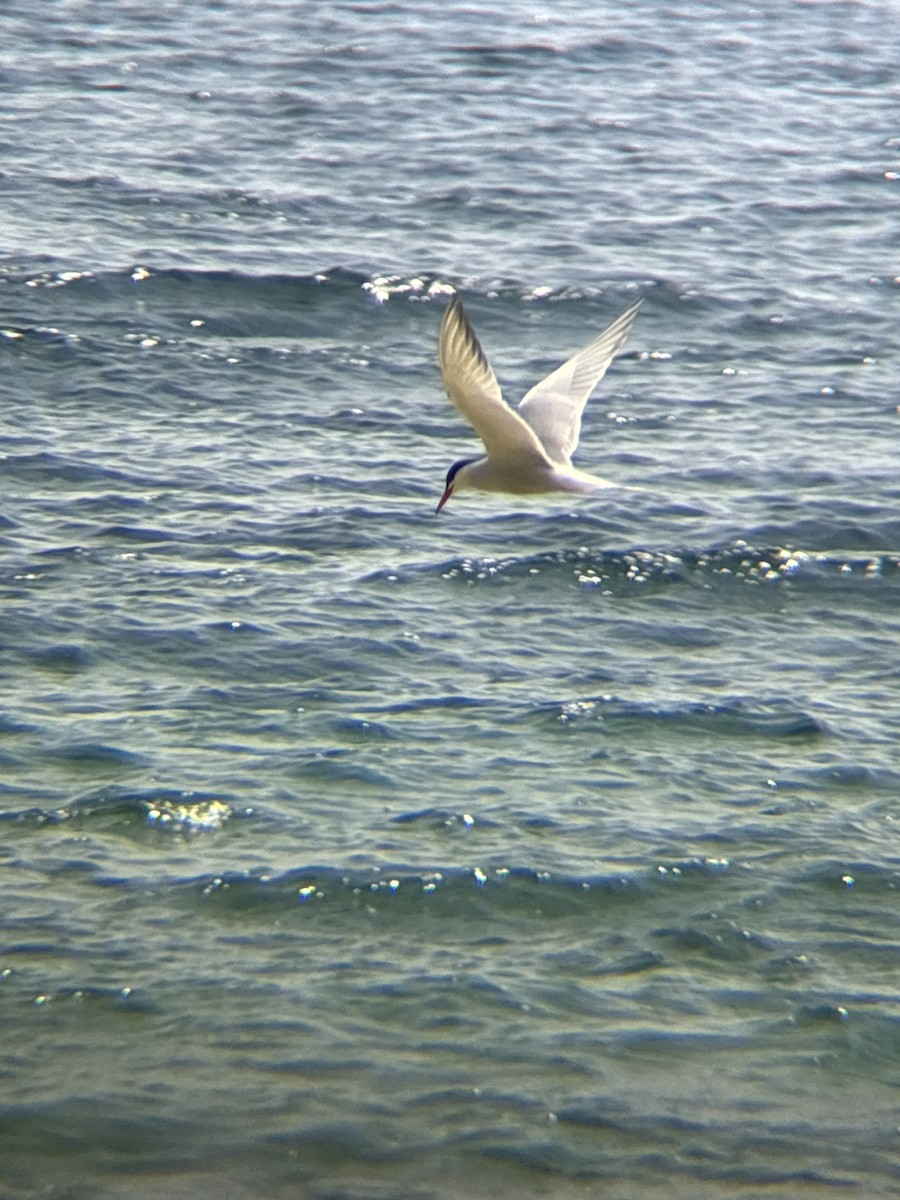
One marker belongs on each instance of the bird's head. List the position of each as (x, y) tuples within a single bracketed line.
[(456, 480)]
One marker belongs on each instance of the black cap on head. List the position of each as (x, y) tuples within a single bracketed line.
[(451, 475), (463, 462)]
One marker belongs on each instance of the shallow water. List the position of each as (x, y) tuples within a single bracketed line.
[(544, 847)]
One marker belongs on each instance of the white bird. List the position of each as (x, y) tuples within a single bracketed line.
[(528, 451)]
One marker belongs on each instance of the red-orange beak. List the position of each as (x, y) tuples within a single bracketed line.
[(443, 500)]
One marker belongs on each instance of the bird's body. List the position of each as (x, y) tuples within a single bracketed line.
[(529, 451), (492, 475)]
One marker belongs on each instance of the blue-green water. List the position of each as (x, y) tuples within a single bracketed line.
[(547, 847)]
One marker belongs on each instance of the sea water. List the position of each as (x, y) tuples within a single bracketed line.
[(545, 847)]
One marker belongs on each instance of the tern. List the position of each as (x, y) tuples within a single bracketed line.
[(528, 451)]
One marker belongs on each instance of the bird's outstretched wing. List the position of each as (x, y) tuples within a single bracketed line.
[(472, 386), (554, 406)]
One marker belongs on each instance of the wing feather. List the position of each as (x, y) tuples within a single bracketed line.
[(472, 386), (554, 406)]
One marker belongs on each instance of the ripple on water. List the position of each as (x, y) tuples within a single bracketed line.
[(736, 717), (735, 564), (121, 810)]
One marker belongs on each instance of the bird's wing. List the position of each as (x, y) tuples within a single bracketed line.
[(554, 406), (472, 386)]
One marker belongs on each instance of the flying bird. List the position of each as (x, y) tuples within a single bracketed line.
[(528, 451)]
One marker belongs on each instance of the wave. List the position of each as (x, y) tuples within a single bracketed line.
[(737, 564)]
